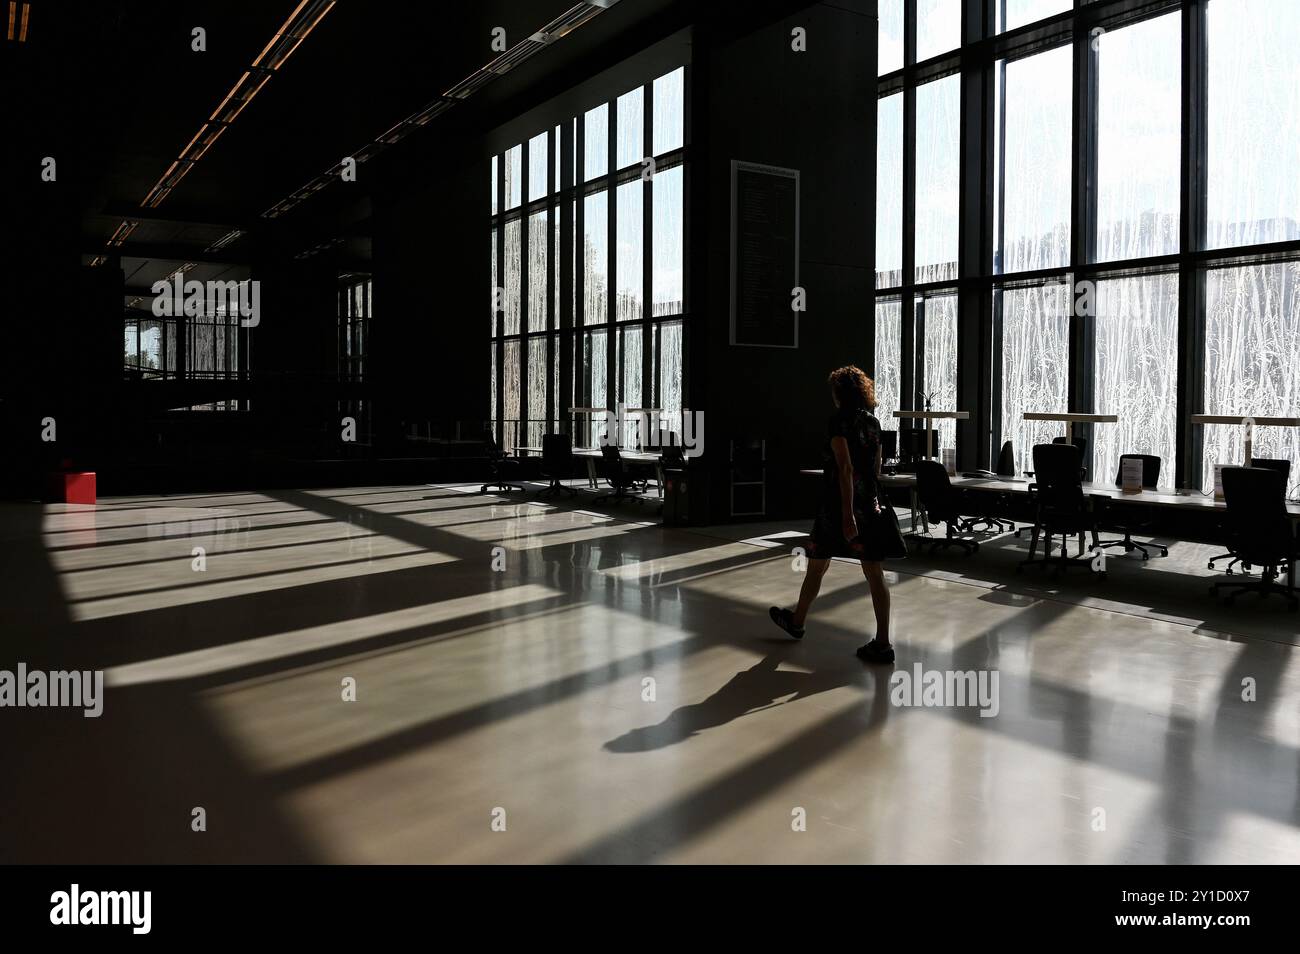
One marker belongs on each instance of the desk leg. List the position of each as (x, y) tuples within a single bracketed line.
[(591, 472), (659, 475)]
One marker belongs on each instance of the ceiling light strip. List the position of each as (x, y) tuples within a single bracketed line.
[(561, 26), (282, 45)]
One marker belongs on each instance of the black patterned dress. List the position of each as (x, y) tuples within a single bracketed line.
[(861, 431)]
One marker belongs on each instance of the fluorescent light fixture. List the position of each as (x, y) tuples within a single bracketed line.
[(562, 25), (304, 18)]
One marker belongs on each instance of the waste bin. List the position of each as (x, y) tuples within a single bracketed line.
[(677, 497)]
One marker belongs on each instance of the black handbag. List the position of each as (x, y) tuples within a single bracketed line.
[(879, 524)]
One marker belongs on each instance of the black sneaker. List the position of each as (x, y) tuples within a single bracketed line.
[(785, 619), (873, 653)]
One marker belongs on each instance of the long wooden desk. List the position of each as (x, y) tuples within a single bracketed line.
[(593, 454), (1191, 500), (1157, 497)]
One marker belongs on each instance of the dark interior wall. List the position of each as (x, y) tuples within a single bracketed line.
[(431, 272), (755, 99)]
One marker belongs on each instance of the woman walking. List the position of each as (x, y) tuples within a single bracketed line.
[(851, 521)]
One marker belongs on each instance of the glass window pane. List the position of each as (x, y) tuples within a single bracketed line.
[(596, 142), (1139, 121), (492, 402), (536, 391), (666, 235), (496, 295), (514, 172), (1136, 373), (1015, 13), (669, 396), (537, 171), (890, 54), (629, 260), (631, 128), (938, 178), (493, 186), (513, 278), (889, 364), (938, 27), (1032, 173), (669, 114), (512, 410), (630, 393), (1254, 122), (595, 361), (939, 377), (889, 191), (555, 268), (1252, 362), (1035, 365), (595, 257), (537, 229)]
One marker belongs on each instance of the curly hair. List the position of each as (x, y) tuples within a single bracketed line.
[(852, 388)]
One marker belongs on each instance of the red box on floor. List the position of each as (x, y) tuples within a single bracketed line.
[(73, 487)]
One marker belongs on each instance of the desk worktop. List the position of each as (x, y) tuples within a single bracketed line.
[(1154, 497)]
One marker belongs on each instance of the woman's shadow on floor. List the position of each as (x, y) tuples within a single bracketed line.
[(752, 690)]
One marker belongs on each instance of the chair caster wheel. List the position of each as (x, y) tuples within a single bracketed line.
[(1145, 557), (1210, 565)]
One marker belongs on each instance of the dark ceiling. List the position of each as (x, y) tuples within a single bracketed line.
[(114, 88)]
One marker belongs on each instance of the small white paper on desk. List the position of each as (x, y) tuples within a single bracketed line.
[(1218, 481), (1131, 475)]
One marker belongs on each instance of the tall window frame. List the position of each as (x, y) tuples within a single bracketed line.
[(629, 339), (1180, 274)]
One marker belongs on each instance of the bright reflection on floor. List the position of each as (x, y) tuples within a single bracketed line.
[(617, 689)]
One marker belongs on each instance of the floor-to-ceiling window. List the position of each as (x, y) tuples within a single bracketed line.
[(354, 311), (918, 183), (1092, 206), (615, 173)]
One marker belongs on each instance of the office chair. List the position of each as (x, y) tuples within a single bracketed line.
[(992, 502), (501, 466), (557, 463), (1079, 442), (1283, 467), (1261, 532), (1006, 461), (613, 469), (1150, 478), (1060, 506), (941, 502)]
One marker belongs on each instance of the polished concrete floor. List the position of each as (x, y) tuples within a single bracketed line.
[(539, 682)]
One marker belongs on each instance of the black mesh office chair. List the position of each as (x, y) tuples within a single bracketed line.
[(1126, 525), (613, 469), (991, 503), (941, 502), (557, 464), (1060, 507), (1283, 467), (500, 466), (1262, 532)]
